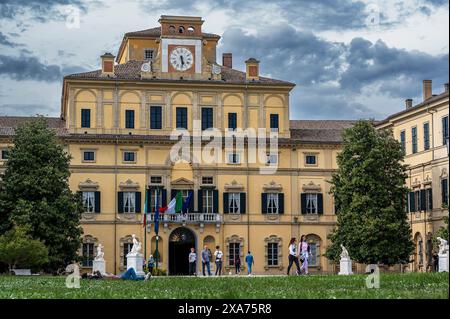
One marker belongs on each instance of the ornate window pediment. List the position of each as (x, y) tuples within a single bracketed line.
[(182, 183), (416, 183), (234, 186), (88, 185), (312, 187), (427, 180), (444, 173), (273, 187), (129, 185)]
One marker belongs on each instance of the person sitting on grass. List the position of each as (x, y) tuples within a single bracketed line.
[(130, 274)]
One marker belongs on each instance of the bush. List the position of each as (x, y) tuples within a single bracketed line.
[(159, 272)]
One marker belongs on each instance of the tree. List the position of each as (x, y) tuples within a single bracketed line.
[(441, 232), (18, 249), (370, 198), (35, 193)]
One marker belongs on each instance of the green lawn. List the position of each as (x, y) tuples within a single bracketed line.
[(413, 285)]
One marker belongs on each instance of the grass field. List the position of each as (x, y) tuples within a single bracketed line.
[(412, 285)]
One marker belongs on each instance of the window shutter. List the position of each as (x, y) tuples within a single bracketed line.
[(97, 202), (412, 202), (215, 201), (173, 193), (191, 204), (423, 200), (303, 203), (163, 197), (430, 199), (280, 203), (226, 208), (243, 203), (264, 203), (138, 202), (320, 203), (444, 193), (200, 200), (120, 202)]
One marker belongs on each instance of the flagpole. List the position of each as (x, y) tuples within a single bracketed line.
[(157, 231), (145, 224)]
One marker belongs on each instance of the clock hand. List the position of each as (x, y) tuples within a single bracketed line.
[(182, 61)]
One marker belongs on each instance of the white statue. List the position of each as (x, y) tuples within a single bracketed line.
[(100, 253), (443, 245), (136, 245), (344, 253)]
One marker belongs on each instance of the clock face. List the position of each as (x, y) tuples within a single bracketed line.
[(181, 59)]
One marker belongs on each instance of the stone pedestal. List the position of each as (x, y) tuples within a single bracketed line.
[(99, 265), (443, 262), (136, 261), (345, 266)]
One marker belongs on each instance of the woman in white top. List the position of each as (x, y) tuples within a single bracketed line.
[(293, 257), (303, 250)]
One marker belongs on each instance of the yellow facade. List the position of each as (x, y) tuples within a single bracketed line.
[(255, 103)]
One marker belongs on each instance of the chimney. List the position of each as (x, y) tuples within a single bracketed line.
[(107, 64), (408, 103), (252, 69), (227, 60), (427, 89), (446, 88)]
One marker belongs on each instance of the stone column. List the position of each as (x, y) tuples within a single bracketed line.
[(261, 112)]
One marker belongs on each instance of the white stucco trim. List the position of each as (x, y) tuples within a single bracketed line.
[(165, 52)]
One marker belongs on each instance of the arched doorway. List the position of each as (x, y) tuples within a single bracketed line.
[(181, 241)]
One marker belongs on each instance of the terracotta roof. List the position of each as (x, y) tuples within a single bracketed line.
[(156, 32), (132, 71), (319, 131), (8, 124)]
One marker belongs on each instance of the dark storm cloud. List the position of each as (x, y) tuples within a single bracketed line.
[(30, 68), (5, 41), (396, 70), (437, 3), (40, 10)]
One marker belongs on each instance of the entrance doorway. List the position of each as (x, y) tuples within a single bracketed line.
[(181, 241)]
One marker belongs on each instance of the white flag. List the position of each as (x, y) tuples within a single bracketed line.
[(171, 206)]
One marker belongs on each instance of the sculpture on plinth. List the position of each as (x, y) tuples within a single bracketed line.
[(135, 259), (100, 253), (99, 261), (443, 254), (345, 262), (136, 248)]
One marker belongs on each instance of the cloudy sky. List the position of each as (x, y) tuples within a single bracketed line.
[(349, 59)]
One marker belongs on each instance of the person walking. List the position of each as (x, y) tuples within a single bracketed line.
[(293, 257), (192, 262), (250, 261), (303, 250), (151, 264), (218, 254), (206, 261), (237, 264)]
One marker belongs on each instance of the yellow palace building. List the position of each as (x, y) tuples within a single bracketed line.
[(117, 122)]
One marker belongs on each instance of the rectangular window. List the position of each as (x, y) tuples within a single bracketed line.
[(85, 118), (234, 203), (310, 160), (129, 202), (208, 180), (155, 179), (233, 252), (312, 258), (207, 118), (182, 120), (155, 194), (88, 254), (129, 118), (429, 199), (272, 203), (129, 157), (89, 202), (426, 136), (89, 156), (155, 117), (232, 121), (148, 54), (417, 199), (445, 130), (274, 125), (444, 191), (272, 254), (207, 201), (126, 249), (5, 154), (403, 141), (234, 158), (414, 139), (311, 204)]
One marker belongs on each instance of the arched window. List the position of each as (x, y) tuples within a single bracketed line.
[(314, 250), (273, 252)]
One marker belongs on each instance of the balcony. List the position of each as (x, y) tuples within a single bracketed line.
[(196, 218)]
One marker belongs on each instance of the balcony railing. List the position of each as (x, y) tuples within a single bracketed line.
[(188, 218)]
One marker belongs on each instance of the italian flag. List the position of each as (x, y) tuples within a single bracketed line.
[(175, 205)]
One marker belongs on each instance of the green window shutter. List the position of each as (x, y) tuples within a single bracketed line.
[(412, 202), (120, 202), (97, 202), (191, 204), (138, 202), (430, 199), (264, 203), (163, 198), (226, 208), (200, 200), (280, 203), (320, 203), (243, 202), (215, 201), (303, 203)]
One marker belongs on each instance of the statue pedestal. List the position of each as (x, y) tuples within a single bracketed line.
[(345, 267), (99, 265), (443, 262), (136, 261)]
